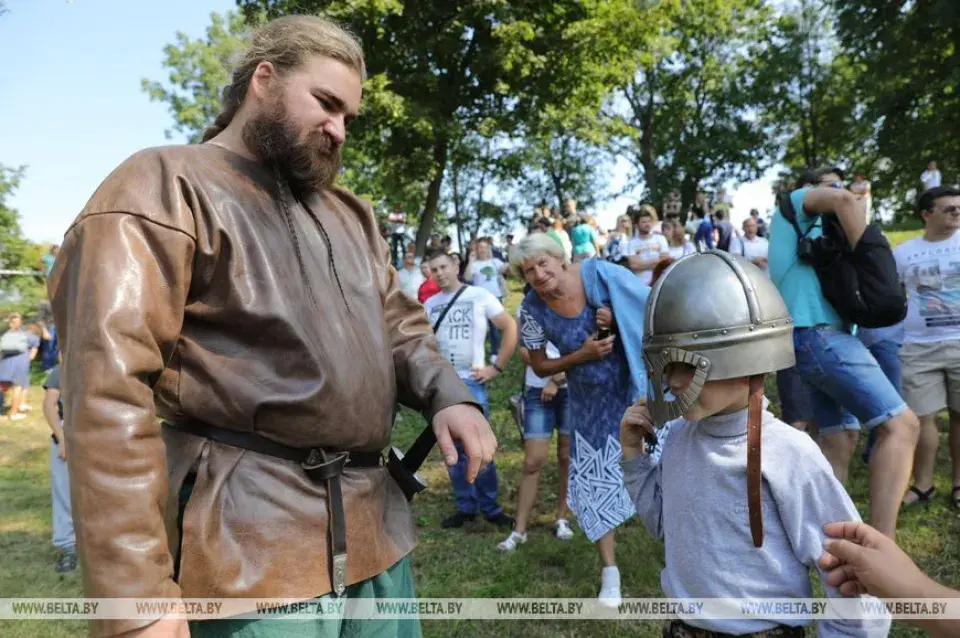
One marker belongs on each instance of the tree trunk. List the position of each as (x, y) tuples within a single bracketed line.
[(433, 196), (457, 205)]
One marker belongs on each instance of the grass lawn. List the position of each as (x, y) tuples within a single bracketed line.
[(463, 563)]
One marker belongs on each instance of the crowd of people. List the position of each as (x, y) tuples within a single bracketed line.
[(646, 351), (577, 381)]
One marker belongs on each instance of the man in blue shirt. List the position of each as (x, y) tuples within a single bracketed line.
[(842, 380)]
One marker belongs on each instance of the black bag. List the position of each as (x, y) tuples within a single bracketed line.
[(860, 283)]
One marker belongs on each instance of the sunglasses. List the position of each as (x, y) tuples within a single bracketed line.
[(951, 209)]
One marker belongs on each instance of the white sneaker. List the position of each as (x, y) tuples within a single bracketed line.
[(610, 587), (515, 538), (564, 532)]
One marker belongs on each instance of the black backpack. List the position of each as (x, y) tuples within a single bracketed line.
[(860, 283)]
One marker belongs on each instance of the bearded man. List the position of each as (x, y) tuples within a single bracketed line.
[(233, 289)]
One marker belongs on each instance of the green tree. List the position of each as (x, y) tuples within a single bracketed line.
[(811, 93), (910, 58), (688, 117), (458, 68), (17, 292), (199, 69)]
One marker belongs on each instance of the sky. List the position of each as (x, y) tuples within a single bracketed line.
[(71, 106)]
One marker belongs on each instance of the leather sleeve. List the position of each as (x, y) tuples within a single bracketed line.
[(118, 292), (425, 379)]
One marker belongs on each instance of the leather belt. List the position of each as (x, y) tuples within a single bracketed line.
[(754, 477), (319, 464)]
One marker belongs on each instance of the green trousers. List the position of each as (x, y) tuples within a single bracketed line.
[(396, 582)]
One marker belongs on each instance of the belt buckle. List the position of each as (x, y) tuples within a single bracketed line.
[(317, 458), (320, 465)]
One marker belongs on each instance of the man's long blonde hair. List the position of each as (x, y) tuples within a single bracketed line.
[(286, 43)]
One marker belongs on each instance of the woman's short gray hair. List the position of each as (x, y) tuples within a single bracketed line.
[(534, 245)]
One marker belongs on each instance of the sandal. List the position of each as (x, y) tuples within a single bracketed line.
[(955, 496), (922, 497)]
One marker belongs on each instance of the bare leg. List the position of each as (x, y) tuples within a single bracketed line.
[(16, 398), (563, 469), (836, 447), (535, 453), (607, 545), (890, 467), (955, 446), (925, 458)]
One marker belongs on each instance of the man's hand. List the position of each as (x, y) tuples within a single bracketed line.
[(604, 318), (62, 448), (549, 392), (636, 424), (594, 350), (483, 374), (163, 628), (760, 262), (466, 424), (864, 561)]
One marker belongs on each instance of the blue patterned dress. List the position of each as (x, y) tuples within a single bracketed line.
[(599, 395)]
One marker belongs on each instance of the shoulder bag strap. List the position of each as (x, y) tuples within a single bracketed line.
[(443, 315)]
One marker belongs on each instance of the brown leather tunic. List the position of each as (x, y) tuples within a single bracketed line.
[(192, 284)]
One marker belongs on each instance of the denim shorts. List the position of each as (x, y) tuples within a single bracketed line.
[(541, 419), (846, 384)]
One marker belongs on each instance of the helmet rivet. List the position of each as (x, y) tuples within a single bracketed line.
[(703, 364), (725, 332), (752, 328), (664, 353), (695, 336)]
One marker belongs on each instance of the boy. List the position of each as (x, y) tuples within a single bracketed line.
[(715, 325), (63, 535)]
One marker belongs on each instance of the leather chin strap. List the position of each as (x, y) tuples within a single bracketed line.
[(754, 478)]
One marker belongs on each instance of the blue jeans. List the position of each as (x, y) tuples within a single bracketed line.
[(887, 355), (482, 495), (541, 419), (847, 385)]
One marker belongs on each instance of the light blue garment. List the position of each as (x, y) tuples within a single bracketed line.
[(695, 499), (797, 281), (607, 285), (583, 237), (873, 336)]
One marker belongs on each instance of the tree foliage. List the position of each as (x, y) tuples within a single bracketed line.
[(910, 61), (21, 293), (199, 69), (449, 70), (688, 117)]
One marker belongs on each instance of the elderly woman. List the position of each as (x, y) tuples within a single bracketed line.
[(567, 305)]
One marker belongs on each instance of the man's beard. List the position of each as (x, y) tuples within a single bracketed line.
[(309, 165)]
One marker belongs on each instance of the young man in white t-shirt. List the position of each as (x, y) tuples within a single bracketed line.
[(486, 271), (646, 249), (461, 337), (931, 177), (410, 276), (751, 246), (929, 267)]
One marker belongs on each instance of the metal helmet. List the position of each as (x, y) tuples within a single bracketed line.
[(719, 313)]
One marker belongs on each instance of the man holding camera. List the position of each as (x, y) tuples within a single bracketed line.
[(843, 382)]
